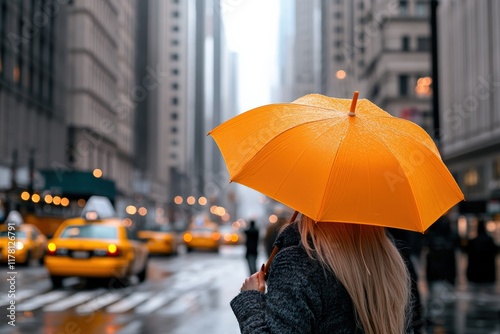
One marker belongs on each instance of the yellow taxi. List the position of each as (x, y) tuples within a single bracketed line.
[(202, 236), (230, 235), (160, 240), (23, 243), (98, 248)]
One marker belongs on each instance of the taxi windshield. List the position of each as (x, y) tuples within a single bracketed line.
[(202, 229), (18, 234), (162, 228), (90, 232)]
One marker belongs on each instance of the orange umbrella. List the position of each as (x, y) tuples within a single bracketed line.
[(341, 161)]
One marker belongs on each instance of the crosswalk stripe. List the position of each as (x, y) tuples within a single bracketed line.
[(192, 282), (24, 294), (182, 304), (41, 300), (74, 300), (131, 328), (128, 303), (99, 302), (156, 302)]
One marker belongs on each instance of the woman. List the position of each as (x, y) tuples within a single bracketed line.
[(481, 252), (328, 278)]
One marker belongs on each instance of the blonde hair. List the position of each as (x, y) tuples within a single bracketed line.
[(368, 265)]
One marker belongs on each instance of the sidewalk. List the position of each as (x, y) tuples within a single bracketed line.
[(463, 309)]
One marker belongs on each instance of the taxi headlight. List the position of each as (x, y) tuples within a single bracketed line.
[(188, 237), (19, 245)]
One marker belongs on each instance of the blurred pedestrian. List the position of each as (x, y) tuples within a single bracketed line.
[(482, 251), (252, 245), (328, 278), (404, 242), (441, 243), (14, 218), (272, 232)]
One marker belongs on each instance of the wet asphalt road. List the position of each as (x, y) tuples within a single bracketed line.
[(190, 293)]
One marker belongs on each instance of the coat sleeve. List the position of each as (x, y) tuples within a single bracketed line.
[(290, 304)]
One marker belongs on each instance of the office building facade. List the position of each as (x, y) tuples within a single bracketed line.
[(469, 62)]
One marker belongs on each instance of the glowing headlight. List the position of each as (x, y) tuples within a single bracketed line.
[(19, 245)]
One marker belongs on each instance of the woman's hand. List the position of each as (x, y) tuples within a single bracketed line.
[(255, 282)]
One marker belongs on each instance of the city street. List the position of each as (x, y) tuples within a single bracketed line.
[(137, 127), (190, 293)]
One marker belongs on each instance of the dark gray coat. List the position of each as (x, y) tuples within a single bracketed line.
[(301, 296)]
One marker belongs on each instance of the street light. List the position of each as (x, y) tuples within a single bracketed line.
[(435, 73), (341, 74), (178, 200), (131, 210), (191, 200), (97, 173)]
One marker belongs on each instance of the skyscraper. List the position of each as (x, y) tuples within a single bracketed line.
[(397, 42), (469, 65), (343, 47), (101, 60), (32, 85)]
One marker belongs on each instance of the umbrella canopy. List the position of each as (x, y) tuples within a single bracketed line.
[(340, 161)]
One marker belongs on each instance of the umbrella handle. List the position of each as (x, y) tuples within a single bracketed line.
[(275, 250), (268, 263)]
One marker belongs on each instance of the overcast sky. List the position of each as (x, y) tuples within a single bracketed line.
[(251, 29)]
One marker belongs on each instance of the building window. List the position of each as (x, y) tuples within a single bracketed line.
[(339, 58), (175, 42), (174, 116), (175, 71), (174, 56), (496, 169), (175, 13), (175, 28), (421, 9), (403, 7), (16, 73), (173, 129), (403, 85), (175, 86), (174, 142), (474, 180), (405, 43), (423, 44), (3, 23), (375, 91), (175, 101)]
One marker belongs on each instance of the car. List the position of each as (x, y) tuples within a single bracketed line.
[(24, 242), (104, 248), (231, 235), (205, 236), (160, 240)]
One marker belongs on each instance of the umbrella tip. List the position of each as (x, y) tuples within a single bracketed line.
[(352, 112)]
